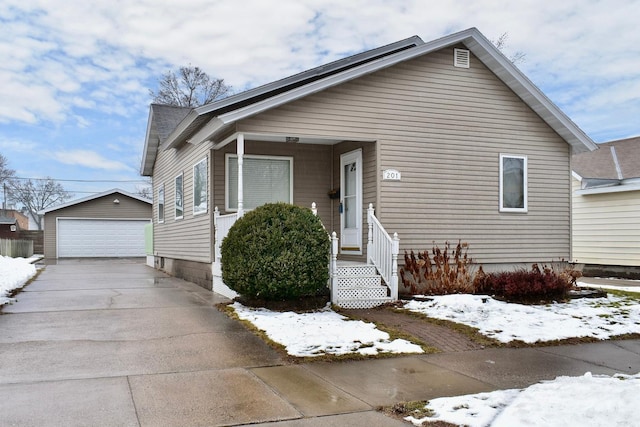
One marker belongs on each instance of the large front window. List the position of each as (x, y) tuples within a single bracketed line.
[(266, 179), (513, 183)]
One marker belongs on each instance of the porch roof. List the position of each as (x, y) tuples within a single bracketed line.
[(206, 122)]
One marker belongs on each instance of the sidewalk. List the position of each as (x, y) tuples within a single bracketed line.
[(610, 283)]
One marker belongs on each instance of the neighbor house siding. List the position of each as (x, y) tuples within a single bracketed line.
[(444, 129), (606, 228), (100, 208), (189, 238)]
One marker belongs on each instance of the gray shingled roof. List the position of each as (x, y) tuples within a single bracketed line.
[(623, 162), (166, 118)]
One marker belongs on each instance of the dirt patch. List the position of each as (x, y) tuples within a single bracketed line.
[(298, 305)]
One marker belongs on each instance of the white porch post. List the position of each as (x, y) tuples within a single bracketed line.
[(394, 266), (217, 268), (333, 270), (370, 212), (240, 152)]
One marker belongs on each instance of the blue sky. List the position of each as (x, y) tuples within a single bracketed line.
[(75, 74)]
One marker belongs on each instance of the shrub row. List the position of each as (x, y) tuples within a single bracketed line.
[(445, 271), (524, 285), (450, 271)]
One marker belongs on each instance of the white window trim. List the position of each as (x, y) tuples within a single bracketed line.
[(524, 209), (206, 186), (164, 198), (175, 199), (253, 156)]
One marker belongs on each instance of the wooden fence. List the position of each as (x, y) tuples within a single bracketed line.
[(16, 248)]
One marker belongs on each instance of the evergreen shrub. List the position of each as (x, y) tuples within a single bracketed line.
[(275, 252)]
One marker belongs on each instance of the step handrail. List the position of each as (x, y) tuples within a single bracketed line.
[(382, 252)]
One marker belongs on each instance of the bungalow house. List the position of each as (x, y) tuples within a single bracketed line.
[(394, 148), (606, 209)]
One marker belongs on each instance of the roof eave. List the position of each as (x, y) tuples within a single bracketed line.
[(502, 67), (481, 47), (92, 197), (150, 149)]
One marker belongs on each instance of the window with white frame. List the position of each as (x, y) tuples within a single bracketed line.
[(200, 195), (513, 183), (266, 179), (179, 199), (161, 203)]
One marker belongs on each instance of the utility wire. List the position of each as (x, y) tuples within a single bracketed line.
[(79, 180)]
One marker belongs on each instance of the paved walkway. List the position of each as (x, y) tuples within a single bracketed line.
[(113, 342), (443, 338)]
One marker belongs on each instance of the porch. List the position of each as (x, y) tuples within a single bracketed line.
[(352, 284)]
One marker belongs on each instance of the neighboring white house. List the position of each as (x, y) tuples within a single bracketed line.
[(606, 209)]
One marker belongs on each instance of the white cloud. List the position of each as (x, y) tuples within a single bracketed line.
[(89, 159), (108, 53)]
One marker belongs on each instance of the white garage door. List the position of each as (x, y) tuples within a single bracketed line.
[(100, 238)]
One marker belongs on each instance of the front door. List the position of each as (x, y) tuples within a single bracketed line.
[(351, 203)]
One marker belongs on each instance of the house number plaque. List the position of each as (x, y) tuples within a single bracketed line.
[(390, 175)]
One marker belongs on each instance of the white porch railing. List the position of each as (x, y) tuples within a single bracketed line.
[(382, 251), (221, 224)]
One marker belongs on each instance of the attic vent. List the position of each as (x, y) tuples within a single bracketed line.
[(461, 58)]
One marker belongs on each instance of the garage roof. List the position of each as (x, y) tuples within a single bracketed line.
[(93, 197)]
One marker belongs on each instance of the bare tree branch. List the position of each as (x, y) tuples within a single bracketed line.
[(191, 87), (501, 44), (38, 195)]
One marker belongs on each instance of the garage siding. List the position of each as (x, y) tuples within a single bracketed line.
[(99, 208)]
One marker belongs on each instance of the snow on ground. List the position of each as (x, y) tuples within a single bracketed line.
[(14, 273), (323, 332), (600, 318), (565, 401)]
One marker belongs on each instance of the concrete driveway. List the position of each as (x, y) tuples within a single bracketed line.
[(116, 343)]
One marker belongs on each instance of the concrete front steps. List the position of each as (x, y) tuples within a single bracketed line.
[(359, 286)]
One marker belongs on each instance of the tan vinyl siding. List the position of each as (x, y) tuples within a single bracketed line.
[(100, 208), (606, 228), (311, 172), (444, 129), (188, 238)]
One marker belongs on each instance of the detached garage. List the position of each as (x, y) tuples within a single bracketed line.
[(109, 224)]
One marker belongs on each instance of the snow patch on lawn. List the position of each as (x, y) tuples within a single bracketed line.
[(14, 273), (323, 332), (590, 400), (600, 318)]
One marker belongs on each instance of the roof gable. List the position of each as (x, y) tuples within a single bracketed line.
[(163, 119), (207, 121), (93, 197)]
